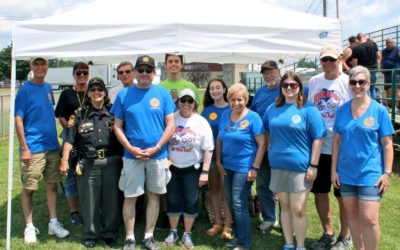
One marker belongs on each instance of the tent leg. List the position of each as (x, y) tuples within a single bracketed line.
[(11, 153)]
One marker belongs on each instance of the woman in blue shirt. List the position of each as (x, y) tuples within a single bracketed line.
[(240, 148), (215, 102), (294, 129), (362, 158)]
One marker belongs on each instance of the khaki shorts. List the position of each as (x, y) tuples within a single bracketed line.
[(135, 174), (46, 164)]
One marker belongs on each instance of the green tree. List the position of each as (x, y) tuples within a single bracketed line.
[(5, 66), (306, 64)]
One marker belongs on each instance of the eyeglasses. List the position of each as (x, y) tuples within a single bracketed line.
[(96, 90), (360, 82), (187, 99), (142, 70), (127, 72), (292, 85), (79, 73), (328, 58)]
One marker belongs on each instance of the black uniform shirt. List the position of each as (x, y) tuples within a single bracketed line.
[(90, 130)]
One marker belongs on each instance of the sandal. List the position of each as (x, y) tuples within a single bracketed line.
[(227, 233), (214, 230)]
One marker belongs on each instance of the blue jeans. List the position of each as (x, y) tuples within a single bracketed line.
[(264, 194), (71, 189), (183, 192), (373, 90), (237, 192)]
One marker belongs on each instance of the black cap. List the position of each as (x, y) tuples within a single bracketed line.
[(269, 65), (96, 81), (145, 60)]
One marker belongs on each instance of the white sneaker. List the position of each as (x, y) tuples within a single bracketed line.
[(30, 235), (265, 225), (58, 229)]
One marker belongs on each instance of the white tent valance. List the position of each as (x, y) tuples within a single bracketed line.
[(224, 31)]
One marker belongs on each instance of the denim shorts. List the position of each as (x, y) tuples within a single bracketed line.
[(366, 193)]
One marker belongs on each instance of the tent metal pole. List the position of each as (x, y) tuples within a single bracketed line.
[(11, 152)]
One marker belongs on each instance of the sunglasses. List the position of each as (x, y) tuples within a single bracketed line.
[(96, 90), (292, 85), (330, 59), (79, 73), (187, 99), (142, 70), (360, 82), (127, 72)]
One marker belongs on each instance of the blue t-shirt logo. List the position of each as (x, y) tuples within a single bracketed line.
[(296, 119), (244, 124), (213, 116), (154, 103), (369, 122)]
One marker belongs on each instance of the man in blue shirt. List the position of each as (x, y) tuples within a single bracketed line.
[(264, 97), (391, 60), (144, 122), (37, 134)]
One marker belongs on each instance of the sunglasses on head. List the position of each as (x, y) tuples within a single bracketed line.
[(292, 85), (328, 58), (147, 70), (360, 82), (127, 72), (79, 72), (96, 90), (186, 99)]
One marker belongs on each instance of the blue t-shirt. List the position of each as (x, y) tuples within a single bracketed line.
[(360, 160), (263, 98), (34, 104), (239, 146), (213, 116), (143, 112), (292, 132)]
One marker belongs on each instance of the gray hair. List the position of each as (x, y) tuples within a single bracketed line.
[(359, 70)]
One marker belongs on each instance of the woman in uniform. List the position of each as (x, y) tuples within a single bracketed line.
[(90, 132)]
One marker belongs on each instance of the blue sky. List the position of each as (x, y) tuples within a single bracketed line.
[(355, 15)]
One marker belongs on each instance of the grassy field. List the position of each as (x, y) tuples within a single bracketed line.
[(390, 221)]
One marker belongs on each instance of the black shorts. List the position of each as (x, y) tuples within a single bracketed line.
[(322, 183)]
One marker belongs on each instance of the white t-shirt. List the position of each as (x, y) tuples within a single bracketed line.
[(328, 96), (191, 137)]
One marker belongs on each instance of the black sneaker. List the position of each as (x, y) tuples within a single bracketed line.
[(324, 242), (76, 219), (110, 242), (149, 244), (129, 245), (342, 243)]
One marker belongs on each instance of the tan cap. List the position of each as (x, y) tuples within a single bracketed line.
[(37, 58), (330, 50)]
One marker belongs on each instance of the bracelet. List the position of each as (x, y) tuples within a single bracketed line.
[(158, 146), (254, 168), (313, 165), (204, 171), (389, 173)]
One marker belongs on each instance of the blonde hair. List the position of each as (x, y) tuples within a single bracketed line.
[(238, 88)]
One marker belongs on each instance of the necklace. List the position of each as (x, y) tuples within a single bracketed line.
[(79, 99), (234, 127)]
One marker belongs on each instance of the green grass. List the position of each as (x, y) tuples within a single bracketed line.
[(390, 221)]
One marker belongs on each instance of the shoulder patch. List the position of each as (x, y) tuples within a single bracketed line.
[(71, 121)]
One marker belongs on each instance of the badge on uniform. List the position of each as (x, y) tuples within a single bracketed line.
[(85, 127), (71, 121)]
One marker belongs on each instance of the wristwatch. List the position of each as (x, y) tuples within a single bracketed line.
[(389, 173)]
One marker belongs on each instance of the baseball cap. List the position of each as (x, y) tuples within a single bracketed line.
[(37, 58), (330, 50), (187, 92), (145, 60), (269, 65), (96, 81)]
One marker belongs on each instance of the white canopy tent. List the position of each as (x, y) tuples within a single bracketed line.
[(224, 31)]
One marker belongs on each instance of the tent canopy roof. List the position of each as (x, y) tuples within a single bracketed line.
[(224, 31)]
